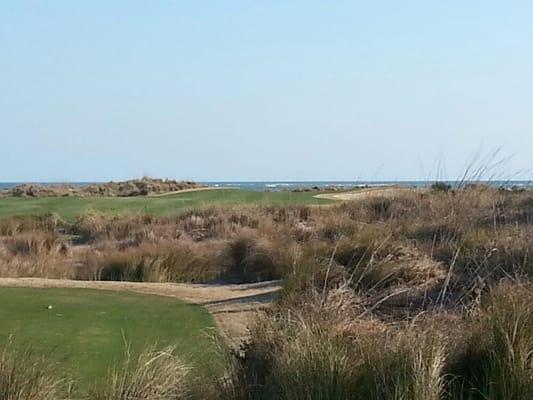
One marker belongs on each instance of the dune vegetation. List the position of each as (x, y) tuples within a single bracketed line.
[(144, 186), (425, 295)]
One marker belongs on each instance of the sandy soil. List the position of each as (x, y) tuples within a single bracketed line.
[(199, 189), (361, 194), (232, 306)]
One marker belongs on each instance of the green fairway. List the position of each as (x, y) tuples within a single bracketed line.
[(69, 207), (85, 330)]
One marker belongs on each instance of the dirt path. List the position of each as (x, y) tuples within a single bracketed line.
[(361, 194), (198, 189), (232, 306)]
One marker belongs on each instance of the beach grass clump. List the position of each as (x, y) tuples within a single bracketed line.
[(153, 375), (403, 366), (495, 359), (35, 244), (165, 262), (297, 362), (24, 376), (35, 253), (305, 356), (247, 259)]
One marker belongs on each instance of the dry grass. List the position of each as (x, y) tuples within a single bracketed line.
[(494, 359), (310, 354), (151, 262), (385, 298), (477, 235), (153, 375), (25, 377)]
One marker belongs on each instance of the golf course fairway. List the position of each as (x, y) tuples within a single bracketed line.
[(173, 204)]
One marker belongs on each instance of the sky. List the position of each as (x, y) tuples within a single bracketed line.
[(264, 90)]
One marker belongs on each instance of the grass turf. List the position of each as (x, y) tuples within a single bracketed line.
[(85, 331), (70, 207)]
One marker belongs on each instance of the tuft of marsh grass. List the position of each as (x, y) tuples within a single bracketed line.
[(403, 367), (25, 377), (306, 357), (495, 361), (151, 263), (35, 244), (248, 260), (153, 375)]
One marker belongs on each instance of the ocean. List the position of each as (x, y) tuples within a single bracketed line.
[(291, 185)]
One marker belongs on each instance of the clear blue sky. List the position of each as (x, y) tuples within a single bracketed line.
[(262, 90)]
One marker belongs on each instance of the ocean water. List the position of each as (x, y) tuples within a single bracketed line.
[(291, 185)]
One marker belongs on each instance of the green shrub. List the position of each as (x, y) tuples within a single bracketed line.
[(441, 187)]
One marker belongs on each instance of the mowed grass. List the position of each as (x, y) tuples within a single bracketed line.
[(85, 331), (70, 207)]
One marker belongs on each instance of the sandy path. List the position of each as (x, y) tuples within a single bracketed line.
[(198, 189), (232, 306), (361, 194)]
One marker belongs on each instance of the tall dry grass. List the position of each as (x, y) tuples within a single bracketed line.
[(303, 356), (153, 375), (477, 234), (155, 263), (23, 376), (35, 253), (395, 298), (494, 361)]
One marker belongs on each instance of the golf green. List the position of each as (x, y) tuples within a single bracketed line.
[(84, 331)]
